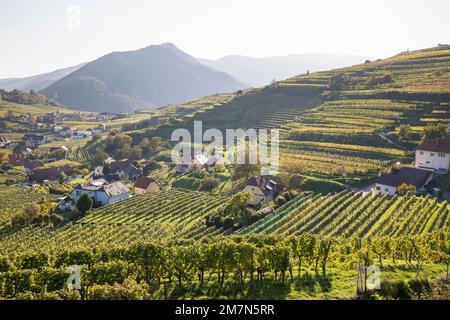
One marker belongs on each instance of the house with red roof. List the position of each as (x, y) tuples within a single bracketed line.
[(146, 184), (434, 154)]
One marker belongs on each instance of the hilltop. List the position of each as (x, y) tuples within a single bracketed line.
[(153, 76), (340, 121), (37, 82), (259, 72)]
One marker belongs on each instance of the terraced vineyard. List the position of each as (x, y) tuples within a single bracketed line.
[(82, 152), (343, 121), (163, 215), (344, 136), (349, 214), (13, 201)]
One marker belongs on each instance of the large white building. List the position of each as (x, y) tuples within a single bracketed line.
[(102, 191), (434, 154), (432, 157), (388, 183)]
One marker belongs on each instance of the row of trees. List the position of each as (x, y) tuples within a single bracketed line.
[(237, 258)]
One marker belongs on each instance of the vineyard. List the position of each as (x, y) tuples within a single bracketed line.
[(164, 215), (256, 267), (349, 214), (14, 200), (82, 152)]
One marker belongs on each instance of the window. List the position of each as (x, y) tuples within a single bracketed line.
[(386, 189), (421, 153), (441, 155), (428, 162), (378, 188), (432, 154)]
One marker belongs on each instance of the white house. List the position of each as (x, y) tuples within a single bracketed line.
[(263, 188), (146, 184), (388, 183), (434, 154), (102, 192)]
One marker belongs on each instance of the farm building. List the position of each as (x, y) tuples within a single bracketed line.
[(264, 189), (434, 154), (146, 184), (102, 191), (50, 174), (388, 183)]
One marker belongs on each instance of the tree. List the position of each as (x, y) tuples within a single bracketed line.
[(136, 153), (237, 204), (296, 182), (246, 171), (3, 157), (438, 131), (84, 204), (405, 189), (405, 132), (209, 184), (99, 157)]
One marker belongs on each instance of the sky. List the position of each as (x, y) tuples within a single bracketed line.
[(38, 36)]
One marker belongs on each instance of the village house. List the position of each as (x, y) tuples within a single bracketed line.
[(32, 140), (123, 170), (388, 183), (101, 191), (29, 166), (432, 159), (4, 142), (50, 174), (146, 184), (67, 131), (264, 189), (16, 159), (434, 154)]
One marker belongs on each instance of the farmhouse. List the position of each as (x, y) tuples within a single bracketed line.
[(125, 170), (146, 184), (50, 174), (388, 183), (31, 165), (4, 142), (264, 189), (32, 139), (434, 154), (101, 191), (16, 159)]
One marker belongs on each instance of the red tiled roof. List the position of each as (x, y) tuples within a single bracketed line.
[(40, 175), (408, 175), (436, 145), (144, 182)]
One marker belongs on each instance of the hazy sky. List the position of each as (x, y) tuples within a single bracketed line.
[(42, 35)]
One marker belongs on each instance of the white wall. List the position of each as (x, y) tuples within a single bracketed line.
[(432, 160), (384, 189)]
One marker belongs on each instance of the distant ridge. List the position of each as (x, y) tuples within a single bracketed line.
[(150, 77), (262, 71), (37, 82)]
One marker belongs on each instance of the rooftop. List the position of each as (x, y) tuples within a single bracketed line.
[(409, 175), (436, 145)]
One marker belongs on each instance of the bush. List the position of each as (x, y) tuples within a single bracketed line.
[(228, 223), (56, 219), (84, 204), (395, 290), (129, 290)]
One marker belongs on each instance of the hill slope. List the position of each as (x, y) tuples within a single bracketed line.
[(37, 82), (149, 77), (259, 72), (340, 121)]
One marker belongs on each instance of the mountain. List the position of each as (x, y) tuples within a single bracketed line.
[(153, 76), (37, 82), (262, 71)]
